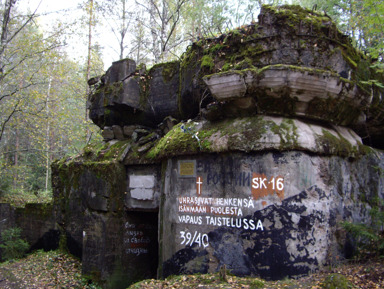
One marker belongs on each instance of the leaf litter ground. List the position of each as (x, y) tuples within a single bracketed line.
[(59, 270), (46, 270), (365, 275)]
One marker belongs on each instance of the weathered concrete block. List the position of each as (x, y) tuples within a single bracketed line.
[(120, 70), (257, 134), (39, 227), (226, 86), (78, 188), (37, 223), (288, 67), (118, 132), (108, 133), (141, 181), (142, 187), (113, 246), (271, 214), (128, 130), (130, 94), (163, 92), (292, 90), (142, 194), (7, 216)]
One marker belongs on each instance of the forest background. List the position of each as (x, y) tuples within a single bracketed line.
[(44, 68)]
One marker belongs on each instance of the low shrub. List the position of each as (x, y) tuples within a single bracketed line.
[(369, 238), (12, 245), (336, 281)]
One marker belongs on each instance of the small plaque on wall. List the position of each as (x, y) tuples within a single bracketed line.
[(187, 168)]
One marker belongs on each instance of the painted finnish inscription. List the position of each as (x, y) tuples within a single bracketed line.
[(136, 238), (216, 212), (202, 210)]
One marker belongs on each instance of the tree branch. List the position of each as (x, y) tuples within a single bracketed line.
[(15, 109), (6, 41), (180, 3)]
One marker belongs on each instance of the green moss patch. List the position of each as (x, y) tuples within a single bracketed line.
[(336, 281), (168, 69), (287, 131), (175, 142), (336, 145), (240, 134), (337, 111), (104, 152), (207, 63)]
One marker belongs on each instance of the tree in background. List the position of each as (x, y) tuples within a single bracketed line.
[(89, 7), (51, 126), (361, 20), (120, 17), (205, 18), (42, 105), (164, 18), (22, 49), (171, 25), (153, 31), (140, 43), (11, 59)]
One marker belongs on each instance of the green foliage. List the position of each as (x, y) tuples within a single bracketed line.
[(13, 247), (362, 20), (85, 283), (42, 108), (256, 283), (20, 198), (6, 179), (372, 82), (209, 18), (336, 281), (369, 238)]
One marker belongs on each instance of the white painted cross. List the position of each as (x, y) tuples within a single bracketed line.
[(199, 182)]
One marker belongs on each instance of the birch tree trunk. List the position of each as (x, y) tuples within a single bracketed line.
[(153, 25), (4, 31), (87, 134), (47, 135)]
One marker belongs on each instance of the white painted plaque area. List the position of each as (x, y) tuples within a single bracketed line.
[(142, 187)]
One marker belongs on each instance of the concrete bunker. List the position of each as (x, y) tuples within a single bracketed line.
[(249, 152), (115, 235)]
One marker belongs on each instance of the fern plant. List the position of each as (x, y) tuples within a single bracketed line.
[(13, 247)]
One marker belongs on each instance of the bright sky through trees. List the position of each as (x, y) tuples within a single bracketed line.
[(70, 12)]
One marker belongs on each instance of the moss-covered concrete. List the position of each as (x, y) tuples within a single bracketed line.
[(286, 36), (249, 134), (168, 69)]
